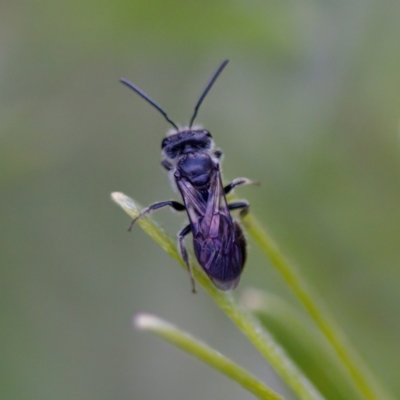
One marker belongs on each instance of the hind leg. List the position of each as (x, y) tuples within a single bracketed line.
[(182, 249)]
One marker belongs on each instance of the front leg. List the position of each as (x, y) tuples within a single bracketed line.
[(243, 205), (238, 182), (174, 204), (167, 165), (218, 153), (181, 240)]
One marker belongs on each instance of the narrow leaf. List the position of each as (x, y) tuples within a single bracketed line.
[(303, 342), (252, 328), (206, 354), (358, 370)]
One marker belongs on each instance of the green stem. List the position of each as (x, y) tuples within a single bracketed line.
[(308, 347), (358, 370), (254, 331), (206, 354)]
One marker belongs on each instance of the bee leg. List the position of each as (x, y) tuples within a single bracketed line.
[(174, 204), (167, 165), (218, 153), (243, 205), (238, 182), (181, 240)]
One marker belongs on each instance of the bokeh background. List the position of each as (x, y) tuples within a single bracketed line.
[(309, 105)]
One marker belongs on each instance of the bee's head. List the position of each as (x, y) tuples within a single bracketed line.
[(186, 141)]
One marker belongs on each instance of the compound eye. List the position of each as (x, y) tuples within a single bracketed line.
[(164, 143), (208, 134)]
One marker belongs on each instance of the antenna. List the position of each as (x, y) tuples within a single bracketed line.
[(206, 90), (143, 95)]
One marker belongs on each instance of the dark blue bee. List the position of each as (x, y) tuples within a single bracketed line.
[(189, 156)]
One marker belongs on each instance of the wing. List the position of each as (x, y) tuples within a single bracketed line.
[(218, 240)]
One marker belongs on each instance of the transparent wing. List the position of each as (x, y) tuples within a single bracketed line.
[(218, 241)]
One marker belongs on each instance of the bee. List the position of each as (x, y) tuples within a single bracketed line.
[(194, 165)]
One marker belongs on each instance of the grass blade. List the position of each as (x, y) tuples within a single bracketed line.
[(198, 349), (249, 325)]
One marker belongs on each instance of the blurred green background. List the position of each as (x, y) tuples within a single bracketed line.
[(309, 105)]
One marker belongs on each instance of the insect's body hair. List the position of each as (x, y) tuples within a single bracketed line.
[(173, 131), (179, 144)]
